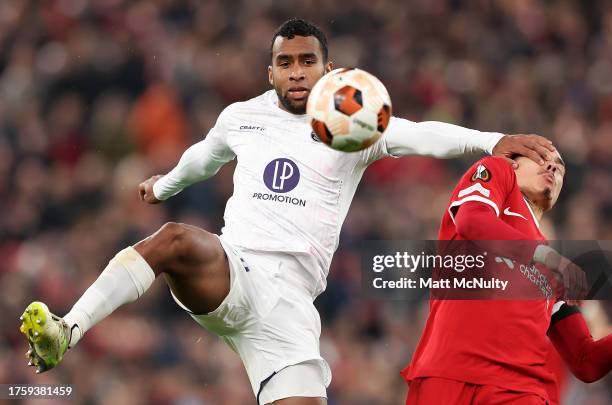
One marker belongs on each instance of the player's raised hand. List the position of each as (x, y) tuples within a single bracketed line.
[(571, 275), (146, 190), (535, 147)]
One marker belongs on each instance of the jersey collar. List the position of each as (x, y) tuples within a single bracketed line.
[(273, 99), (535, 219)]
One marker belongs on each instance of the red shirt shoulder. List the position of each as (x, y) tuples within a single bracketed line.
[(491, 180)]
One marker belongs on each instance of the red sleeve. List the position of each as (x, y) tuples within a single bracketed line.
[(477, 221), (474, 208), (588, 359), (489, 181)]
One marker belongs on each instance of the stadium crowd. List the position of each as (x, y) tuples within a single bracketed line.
[(97, 95)]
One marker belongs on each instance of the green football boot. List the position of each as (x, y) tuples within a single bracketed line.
[(48, 336)]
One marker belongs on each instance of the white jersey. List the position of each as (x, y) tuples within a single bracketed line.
[(292, 192)]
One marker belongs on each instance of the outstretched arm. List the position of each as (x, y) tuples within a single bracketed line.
[(588, 359), (441, 140), (201, 161)]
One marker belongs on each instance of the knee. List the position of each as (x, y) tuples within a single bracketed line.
[(172, 236), (175, 244), (171, 230), (181, 241), (167, 241)]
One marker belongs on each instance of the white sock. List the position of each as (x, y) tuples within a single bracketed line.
[(126, 277)]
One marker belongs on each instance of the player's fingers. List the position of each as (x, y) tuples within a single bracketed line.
[(575, 284), (559, 284), (532, 154), (571, 280), (545, 143), (541, 150), (538, 144), (539, 139), (579, 285), (567, 284), (585, 284), (579, 282)]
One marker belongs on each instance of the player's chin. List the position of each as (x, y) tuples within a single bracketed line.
[(548, 199), (295, 106)]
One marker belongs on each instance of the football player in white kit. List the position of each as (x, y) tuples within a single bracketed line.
[(255, 283)]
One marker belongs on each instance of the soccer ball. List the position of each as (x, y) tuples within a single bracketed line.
[(350, 109)]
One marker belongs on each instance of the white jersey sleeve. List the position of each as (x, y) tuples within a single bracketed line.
[(437, 139), (377, 150), (199, 162)]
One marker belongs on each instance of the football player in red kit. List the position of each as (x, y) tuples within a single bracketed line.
[(495, 351)]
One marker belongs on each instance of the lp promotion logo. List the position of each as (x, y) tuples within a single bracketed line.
[(281, 175)]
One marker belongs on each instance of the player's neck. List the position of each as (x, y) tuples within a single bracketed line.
[(284, 108), (538, 211), (296, 114)]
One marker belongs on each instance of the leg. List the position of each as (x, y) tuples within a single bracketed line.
[(193, 263), (191, 259)]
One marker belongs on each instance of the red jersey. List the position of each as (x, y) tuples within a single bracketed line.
[(487, 342), (559, 369)]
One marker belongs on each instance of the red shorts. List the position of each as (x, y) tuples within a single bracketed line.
[(440, 391)]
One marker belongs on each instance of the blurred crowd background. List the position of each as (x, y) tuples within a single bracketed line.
[(97, 95)]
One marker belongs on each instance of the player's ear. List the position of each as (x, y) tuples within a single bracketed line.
[(270, 79), (329, 66)]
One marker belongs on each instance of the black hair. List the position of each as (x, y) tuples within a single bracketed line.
[(297, 26)]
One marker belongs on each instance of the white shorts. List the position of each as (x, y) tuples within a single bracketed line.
[(270, 321)]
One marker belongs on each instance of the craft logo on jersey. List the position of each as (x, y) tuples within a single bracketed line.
[(481, 173), (251, 128), (281, 176)]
